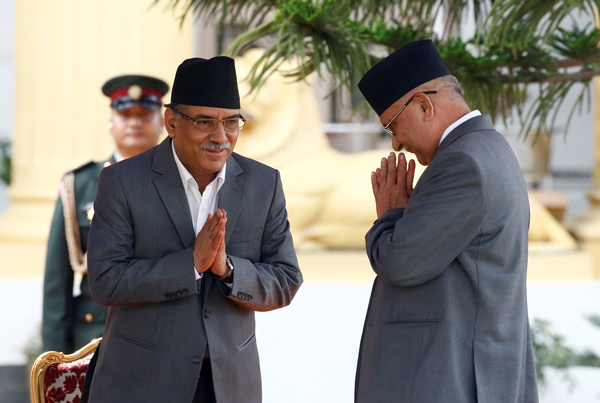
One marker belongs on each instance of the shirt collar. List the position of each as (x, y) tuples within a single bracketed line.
[(460, 121), (186, 175), (118, 156)]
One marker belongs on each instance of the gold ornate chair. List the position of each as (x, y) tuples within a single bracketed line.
[(59, 378)]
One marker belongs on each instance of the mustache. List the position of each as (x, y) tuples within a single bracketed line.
[(211, 145)]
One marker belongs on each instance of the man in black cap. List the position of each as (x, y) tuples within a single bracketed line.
[(187, 241), (447, 320), (70, 316)]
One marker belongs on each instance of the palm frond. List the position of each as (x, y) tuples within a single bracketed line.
[(315, 35), (578, 44), (518, 43), (223, 11), (516, 22)]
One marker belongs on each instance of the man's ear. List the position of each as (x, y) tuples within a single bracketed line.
[(170, 119), (426, 106)]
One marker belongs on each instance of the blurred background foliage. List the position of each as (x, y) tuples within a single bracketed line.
[(516, 44), (5, 161), (551, 351)]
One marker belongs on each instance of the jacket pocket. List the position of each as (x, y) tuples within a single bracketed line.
[(414, 322), (137, 342), (246, 236), (250, 339)]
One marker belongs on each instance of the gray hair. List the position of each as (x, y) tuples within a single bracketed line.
[(450, 87), (178, 109)]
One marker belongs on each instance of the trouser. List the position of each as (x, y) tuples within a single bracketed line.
[(205, 391)]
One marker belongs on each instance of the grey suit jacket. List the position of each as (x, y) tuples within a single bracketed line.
[(161, 319), (447, 320)]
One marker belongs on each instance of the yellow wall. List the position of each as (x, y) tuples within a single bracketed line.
[(65, 51)]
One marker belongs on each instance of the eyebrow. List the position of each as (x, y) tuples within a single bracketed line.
[(203, 116)]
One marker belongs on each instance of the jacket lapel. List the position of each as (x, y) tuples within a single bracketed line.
[(170, 189), (231, 197), (232, 194)]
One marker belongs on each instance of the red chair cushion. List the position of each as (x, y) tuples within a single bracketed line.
[(63, 383)]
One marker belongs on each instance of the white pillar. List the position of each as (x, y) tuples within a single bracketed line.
[(64, 53)]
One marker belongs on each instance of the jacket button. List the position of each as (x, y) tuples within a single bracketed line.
[(206, 314), (179, 293), (168, 295), (185, 291), (196, 360), (89, 317)]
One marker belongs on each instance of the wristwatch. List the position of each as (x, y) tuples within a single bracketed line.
[(228, 278)]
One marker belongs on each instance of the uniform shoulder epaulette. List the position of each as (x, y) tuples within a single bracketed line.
[(84, 166)]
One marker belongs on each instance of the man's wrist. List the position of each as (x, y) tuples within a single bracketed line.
[(228, 277)]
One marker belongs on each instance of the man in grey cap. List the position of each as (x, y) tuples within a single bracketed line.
[(188, 240), (70, 316), (447, 320)]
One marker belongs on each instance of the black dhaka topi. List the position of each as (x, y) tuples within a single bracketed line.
[(401, 72), (206, 82)]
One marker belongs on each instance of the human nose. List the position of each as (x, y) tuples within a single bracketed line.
[(135, 119), (219, 135)]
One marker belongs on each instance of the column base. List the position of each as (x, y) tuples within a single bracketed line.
[(26, 221), (22, 259), (23, 238), (545, 263), (560, 265), (586, 228)]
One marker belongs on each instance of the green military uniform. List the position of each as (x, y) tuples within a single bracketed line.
[(70, 317), (70, 322)]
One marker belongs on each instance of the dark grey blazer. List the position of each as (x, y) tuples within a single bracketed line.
[(141, 266), (447, 321)]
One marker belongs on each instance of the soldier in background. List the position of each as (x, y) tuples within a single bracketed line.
[(71, 318)]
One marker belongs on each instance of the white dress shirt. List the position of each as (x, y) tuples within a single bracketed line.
[(460, 121), (118, 156), (201, 205)]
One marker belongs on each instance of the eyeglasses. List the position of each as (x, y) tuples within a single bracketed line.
[(386, 127), (211, 124)]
